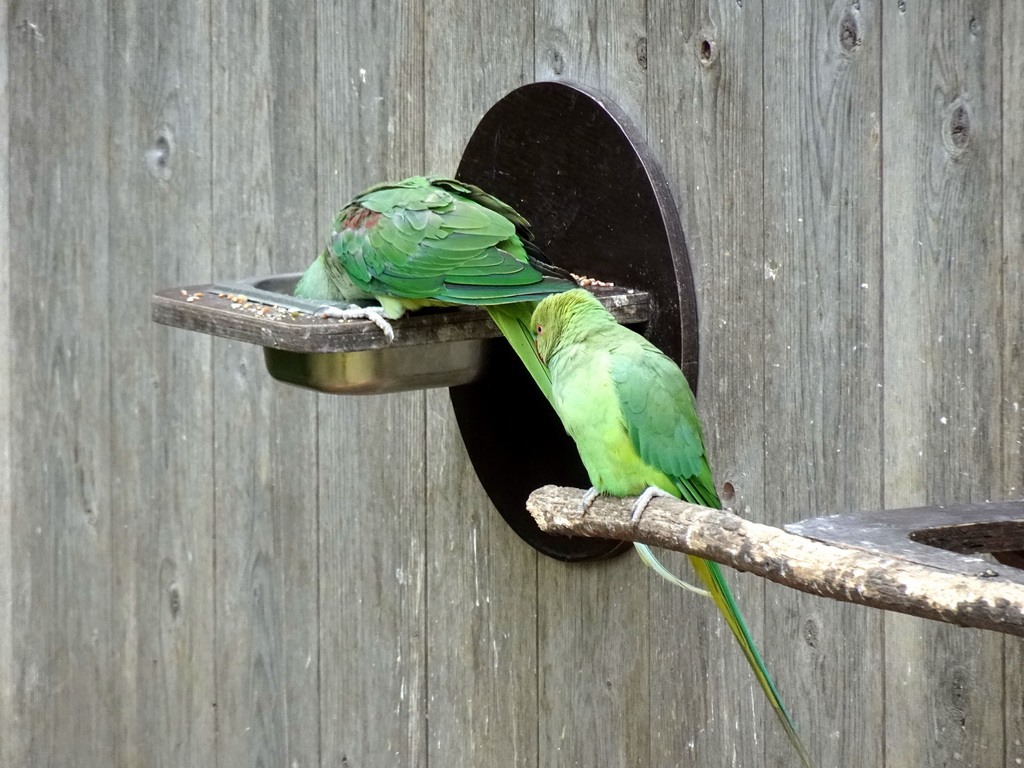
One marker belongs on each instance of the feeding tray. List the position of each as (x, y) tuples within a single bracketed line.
[(431, 348)]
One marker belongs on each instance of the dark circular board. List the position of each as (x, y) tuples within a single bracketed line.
[(571, 162)]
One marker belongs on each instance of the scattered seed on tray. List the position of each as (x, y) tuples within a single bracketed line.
[(590, 281)]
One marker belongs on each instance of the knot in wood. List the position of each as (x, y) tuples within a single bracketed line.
[(557, 62), (641, 52), (707, 50), (158, 156), (812, 632), (728, 492), (731, 523), (174, 600), (957, 134), (849, 32)]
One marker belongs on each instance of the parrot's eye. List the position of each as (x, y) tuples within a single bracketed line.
[(540, 329)]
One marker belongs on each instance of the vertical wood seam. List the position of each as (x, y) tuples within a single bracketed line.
[(764, 318), (882, 373), (1000, 343), (646, 132), (215, 640), (882, 350), (318, 399), (536, 562), (111, 543), (7, 673), (424, 574)]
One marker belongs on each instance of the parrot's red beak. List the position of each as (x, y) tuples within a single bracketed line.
[(536, 347)]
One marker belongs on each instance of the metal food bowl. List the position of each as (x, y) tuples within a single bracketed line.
[(363, 372), (376, 371)]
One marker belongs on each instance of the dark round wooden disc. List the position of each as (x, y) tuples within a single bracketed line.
[(571, 162)]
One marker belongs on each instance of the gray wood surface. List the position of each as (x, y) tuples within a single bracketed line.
[(942, 384), (66, 624), (268, 662), (593, 621), (1011, 413), (199, 565), (705, 125), (481, 578), (11, 741), (823, 350), (162, 441), (370, 451)]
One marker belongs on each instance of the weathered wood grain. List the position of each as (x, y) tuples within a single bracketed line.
[(599, 43), (112, 433), (65, 625), (593, 620), (162, 450), (370, 451), (705, 104), (943, 289), (482, 579), (842, 571), (267, 514), (823, 349), (11, 741), (1011, 346)]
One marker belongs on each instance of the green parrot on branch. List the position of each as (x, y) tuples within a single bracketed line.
[(632, 414), (430, 241)]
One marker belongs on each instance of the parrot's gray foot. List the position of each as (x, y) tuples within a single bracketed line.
[(355, 312), (588, 500), (644, 499)]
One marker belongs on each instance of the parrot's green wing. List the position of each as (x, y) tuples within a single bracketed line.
[(478, 196), (433, 240), (661, 418)]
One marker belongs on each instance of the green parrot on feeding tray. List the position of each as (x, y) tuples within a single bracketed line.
[(632, 414), (431, 241)]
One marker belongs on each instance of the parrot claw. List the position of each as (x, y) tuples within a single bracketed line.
[(644, 499), (355, 312), (587, 501)]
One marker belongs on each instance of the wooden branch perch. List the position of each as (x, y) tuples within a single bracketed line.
[(978, 599)]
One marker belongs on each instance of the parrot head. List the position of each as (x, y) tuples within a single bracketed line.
[(565, 316)]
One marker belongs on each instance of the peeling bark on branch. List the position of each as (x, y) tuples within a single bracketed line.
[(840, 573)]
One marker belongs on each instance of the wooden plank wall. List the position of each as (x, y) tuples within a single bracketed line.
[(942, 237), (7, 662), (201, 567), (1011, 342)]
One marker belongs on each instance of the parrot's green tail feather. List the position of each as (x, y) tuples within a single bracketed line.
[(712, 576), (514, 322), (652, 562)]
